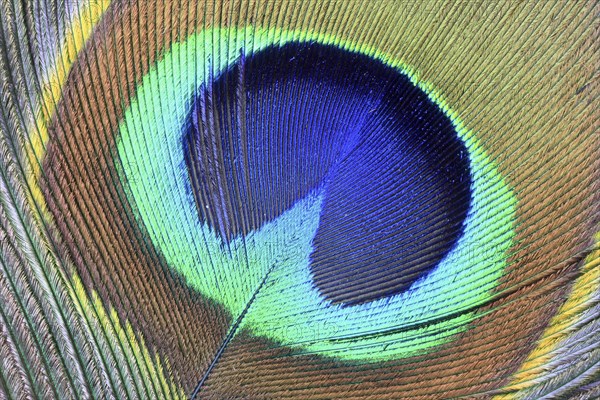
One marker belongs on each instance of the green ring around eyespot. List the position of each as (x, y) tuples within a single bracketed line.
[(288, 310)]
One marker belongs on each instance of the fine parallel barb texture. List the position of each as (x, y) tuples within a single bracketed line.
[(299, 199)]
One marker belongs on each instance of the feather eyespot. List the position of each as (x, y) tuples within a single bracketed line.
[(327, 174)]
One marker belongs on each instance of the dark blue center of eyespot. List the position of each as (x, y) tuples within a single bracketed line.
[(292, 119)]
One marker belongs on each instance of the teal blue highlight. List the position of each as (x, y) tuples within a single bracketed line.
[(289, 310)]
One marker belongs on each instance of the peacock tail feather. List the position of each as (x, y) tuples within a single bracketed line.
[(299, 199)]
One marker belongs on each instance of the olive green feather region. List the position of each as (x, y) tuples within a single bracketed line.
[(288, 308)]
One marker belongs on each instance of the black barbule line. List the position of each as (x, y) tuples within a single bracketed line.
[(292, 119), (230, 335)]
